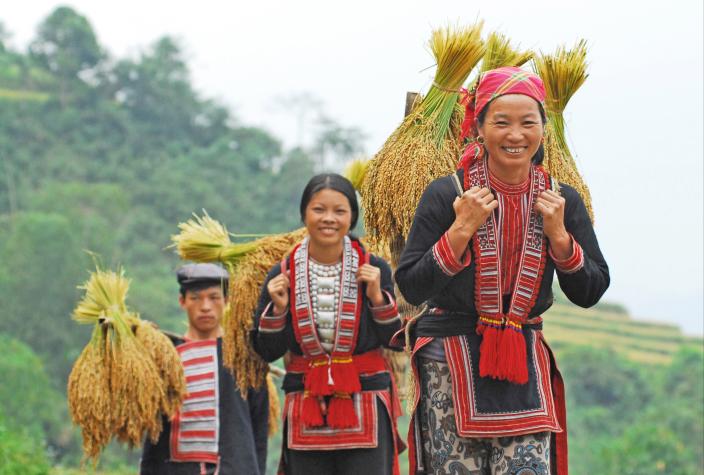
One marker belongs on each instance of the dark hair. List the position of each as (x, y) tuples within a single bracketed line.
[(198, 286), (330, 181), (540, 153)]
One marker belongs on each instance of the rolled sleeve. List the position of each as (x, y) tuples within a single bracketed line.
[(445, 257), (573, 263), (386, 314), (269, 323)]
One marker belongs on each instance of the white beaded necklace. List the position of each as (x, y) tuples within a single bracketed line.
[(325, 291)]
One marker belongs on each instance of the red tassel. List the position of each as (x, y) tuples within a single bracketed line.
[(312, 414), (513, 364), (488, 357), (317, 380), (341, 413), (345, 378)]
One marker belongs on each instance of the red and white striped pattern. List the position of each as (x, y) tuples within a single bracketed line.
[(573, 263), (512, 211), (195, 428), (445, 258), (388, 313), (269, 323)]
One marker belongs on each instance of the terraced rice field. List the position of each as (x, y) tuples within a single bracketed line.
[(642, 341)]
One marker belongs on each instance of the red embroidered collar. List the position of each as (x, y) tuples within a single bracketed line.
[(507, 188)]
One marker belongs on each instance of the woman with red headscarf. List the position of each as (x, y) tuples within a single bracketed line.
[(481, 254)]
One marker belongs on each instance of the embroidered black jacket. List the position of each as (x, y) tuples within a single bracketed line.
[(421, 279)]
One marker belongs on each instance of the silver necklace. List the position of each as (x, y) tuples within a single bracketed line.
[(325, 290)]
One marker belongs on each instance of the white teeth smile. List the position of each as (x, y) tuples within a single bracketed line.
[(514, 150)]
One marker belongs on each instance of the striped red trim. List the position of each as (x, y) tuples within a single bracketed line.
[(445, 258), (200, 377), (191, 344), (201, 394), (388, 313), (203, 413), (197, 434), (272, 323), (196, 361), (194, 428), (573, 263)]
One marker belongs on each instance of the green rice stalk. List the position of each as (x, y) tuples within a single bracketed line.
[(500, 53), (562, 73), (355, 172), (457, 52), (203, 239)]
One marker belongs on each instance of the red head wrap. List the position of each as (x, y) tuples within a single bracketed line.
[(492, 84)]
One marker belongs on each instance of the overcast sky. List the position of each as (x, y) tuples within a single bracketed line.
[(636, 126)]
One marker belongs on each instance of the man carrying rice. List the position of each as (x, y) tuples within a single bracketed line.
[(216, 431)]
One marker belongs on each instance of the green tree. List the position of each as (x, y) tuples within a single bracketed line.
[(646, 449), (602, 378), (42, 264), (157, 92), (335, 144), (39, 413), (66, 46), (20, 454)]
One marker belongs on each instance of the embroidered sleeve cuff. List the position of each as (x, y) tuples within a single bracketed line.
[(445, 258), (573, 263), (385, 314), (272, 323)]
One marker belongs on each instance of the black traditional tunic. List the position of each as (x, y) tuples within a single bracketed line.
[(429, 273), (371, 444), (216, 431)]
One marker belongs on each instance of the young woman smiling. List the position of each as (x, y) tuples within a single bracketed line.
[(482, 251), (330, 305)]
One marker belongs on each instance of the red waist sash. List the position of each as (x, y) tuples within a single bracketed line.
[(367, 363), (336, 376)]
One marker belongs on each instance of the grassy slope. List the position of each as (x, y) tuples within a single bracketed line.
[(641, 341)]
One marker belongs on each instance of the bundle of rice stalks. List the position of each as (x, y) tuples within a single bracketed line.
[(562, 73), (89, 396), (500, 53), (355, 172), (203, 239), (245, 285), (115, 387), (136, 388), (168, 363), (425, 145)]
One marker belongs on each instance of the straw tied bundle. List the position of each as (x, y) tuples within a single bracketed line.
[(424, 146), (128, 375), (203, 239), (562, 73), (500, 53)]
